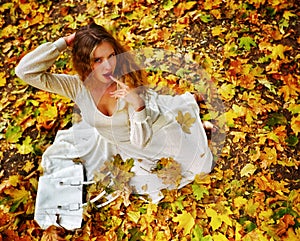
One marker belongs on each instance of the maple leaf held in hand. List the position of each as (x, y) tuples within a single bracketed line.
[(185, 121)]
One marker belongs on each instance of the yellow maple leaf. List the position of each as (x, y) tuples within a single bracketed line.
[(288, 14), (294, 108), (229, 117), (28, 166), (26, 146), (238, 231), (251, 208), (239, 201), (268, 157), (220, 237), (211, 4), (14, 180), (18, 195), (26, 8), (134, 216), (227, 91), (216, 220), (278, 51), (230, 49), (37, 19), (186, 222), (185, 121), (217, 30), (171, 171), (295, 124), (255, 235), (292, 235), (248, 170), (2, 79), (238, 136)]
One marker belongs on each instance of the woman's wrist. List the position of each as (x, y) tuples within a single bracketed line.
[(69, 39), (139, 105), (140, 108), (60, 44)]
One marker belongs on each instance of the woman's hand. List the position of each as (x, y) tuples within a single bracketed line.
[(130, 96), (69, 39)]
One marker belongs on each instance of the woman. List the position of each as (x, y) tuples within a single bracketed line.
[(120, 115)]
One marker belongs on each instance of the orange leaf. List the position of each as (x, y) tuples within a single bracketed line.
[(53, 234), (183, 6)]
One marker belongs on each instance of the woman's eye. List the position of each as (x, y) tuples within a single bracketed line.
[(98, 60), (112, 55)]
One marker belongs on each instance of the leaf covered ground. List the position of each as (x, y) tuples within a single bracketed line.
[(250, 50)]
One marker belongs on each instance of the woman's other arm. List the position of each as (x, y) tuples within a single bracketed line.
[(33, 69)]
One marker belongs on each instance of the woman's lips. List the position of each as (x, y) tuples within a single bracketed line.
[(107, 75)]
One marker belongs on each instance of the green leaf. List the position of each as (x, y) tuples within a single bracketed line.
[(292, 140), (178, 205), (61, 63), (199, 192), (13, 134), (182, 72), (134, 216), (250, 227), (18, 196), (197, 233), (206, 18), (264, 59), (276, 119), (168, 4), (246, 43), (136, 234)]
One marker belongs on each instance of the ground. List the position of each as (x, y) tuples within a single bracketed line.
[(249, 50)]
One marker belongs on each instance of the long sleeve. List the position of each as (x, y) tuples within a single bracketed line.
[(140, 128), (33, 69), (144, 123)]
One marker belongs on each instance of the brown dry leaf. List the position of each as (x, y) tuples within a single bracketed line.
[(186, 121), (170, 173), (53, 233)]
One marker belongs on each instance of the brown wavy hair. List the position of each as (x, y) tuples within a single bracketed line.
[(87, 39)]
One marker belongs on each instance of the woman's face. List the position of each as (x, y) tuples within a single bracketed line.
[(104, 62)]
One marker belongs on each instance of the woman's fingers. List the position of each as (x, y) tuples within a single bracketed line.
[(70, 39), (120, 93), (209, 126), (121, 84)]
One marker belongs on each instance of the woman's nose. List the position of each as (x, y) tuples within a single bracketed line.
[(107, 65)]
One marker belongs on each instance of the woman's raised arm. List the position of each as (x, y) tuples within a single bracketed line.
[(33, 69)]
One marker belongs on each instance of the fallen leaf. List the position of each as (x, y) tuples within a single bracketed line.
[(295, 124), (199, 191), (185, 222), (53, 233), (247, 43)]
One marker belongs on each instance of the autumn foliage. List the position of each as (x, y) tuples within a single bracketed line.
[(249, 49)]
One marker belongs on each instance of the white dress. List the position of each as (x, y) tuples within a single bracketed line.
[(146, 136)]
